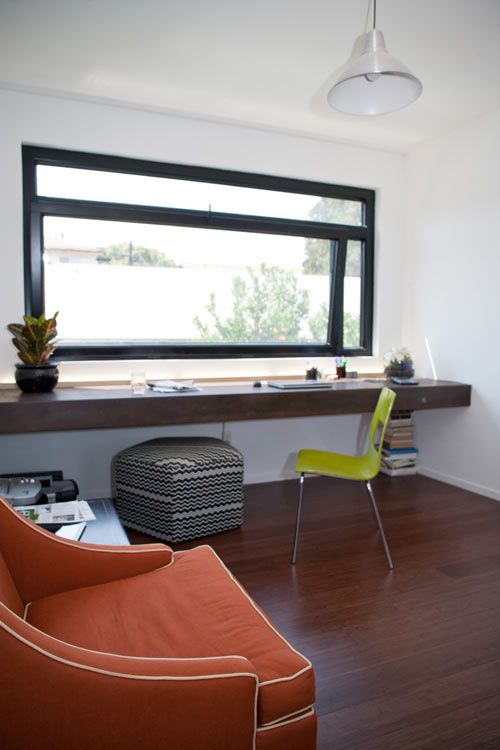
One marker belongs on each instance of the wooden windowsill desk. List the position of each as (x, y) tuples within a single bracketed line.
[(101, 407)]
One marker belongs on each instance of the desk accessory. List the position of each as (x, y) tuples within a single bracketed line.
[(34, 341), (53, 515), (403, 380), (72, 531), (340, 366), (312, 373), (54, 488), (399, 364), (173, 386), (290, 385), (20, 490), (138, 383)]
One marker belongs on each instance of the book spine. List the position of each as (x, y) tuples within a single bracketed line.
[(399, 455), (399, 472)]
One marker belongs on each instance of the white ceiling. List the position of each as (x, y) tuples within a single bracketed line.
[(267, 63)]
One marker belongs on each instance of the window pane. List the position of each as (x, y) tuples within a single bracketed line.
[(352, 294), (123, 281), (112, 187)]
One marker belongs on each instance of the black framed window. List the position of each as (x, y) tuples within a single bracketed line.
[(151, 260)]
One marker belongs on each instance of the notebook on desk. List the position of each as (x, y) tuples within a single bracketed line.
[(291, 385)]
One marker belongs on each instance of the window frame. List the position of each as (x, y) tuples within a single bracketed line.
[(37, 207)]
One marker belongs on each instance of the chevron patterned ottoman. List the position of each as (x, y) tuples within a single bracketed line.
[(179, 488)]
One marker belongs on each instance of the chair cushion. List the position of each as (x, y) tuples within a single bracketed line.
[(193, 608)]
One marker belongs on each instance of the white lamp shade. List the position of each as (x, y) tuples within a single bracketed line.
[(373, 81)]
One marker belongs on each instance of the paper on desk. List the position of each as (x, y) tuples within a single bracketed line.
[(173, 386), (73, 511)]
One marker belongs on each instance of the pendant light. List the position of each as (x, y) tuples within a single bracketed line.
[(372, 81)]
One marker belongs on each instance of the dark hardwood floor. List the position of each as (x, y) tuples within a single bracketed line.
[(408, 660)]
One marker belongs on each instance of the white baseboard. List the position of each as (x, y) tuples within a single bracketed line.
[(462, 483), (479, 489), (274, 476), (270, 476)]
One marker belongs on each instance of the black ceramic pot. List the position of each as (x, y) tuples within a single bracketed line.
[(37, 378)]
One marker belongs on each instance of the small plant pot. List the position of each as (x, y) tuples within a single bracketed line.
[(403, 370), (37, 378)]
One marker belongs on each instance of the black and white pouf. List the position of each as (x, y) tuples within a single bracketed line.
[(179, 488)]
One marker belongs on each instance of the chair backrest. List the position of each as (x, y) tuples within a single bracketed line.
[(378, 427), (9, 593)]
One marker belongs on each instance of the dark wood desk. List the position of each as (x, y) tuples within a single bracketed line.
[(99, 407)]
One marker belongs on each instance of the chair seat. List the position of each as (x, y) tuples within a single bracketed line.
[(173, 613), (335, 465)]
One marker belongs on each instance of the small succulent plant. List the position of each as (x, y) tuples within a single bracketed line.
[(34, 339), (400, 362)]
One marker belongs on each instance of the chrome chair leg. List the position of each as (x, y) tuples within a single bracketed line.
[(379, 524), (297, 521)]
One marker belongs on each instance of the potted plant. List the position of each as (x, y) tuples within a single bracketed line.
[(400, 364), (34, 341)]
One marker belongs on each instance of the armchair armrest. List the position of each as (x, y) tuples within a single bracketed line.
[(42, 564), (90, 699)]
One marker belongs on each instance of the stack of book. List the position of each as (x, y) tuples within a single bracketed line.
[(399, 455)]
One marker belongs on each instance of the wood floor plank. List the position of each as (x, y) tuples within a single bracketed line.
[(408, 660)]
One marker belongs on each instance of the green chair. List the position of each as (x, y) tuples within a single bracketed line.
[(362, 468)]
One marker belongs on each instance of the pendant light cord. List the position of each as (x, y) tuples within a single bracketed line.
[(368, 13)]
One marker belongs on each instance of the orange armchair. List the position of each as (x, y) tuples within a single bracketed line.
[(126, 647)]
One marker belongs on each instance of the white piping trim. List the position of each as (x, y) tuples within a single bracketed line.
[(26, 611), (149, 678), (125, 656), (109, 673), (270, 724), (291, 677), (284, 723), (255, 715), (86, 547), (268, 623)]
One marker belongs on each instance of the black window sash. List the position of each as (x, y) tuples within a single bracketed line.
[(37, 207)]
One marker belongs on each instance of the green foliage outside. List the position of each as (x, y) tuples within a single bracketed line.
[(319, 322), (127, 254), (317, 260), (270, 308), (267, 307), (351, 330)]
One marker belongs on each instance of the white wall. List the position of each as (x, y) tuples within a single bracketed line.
[(452, 278), (269, 446), (49, 121), (441, 265)]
